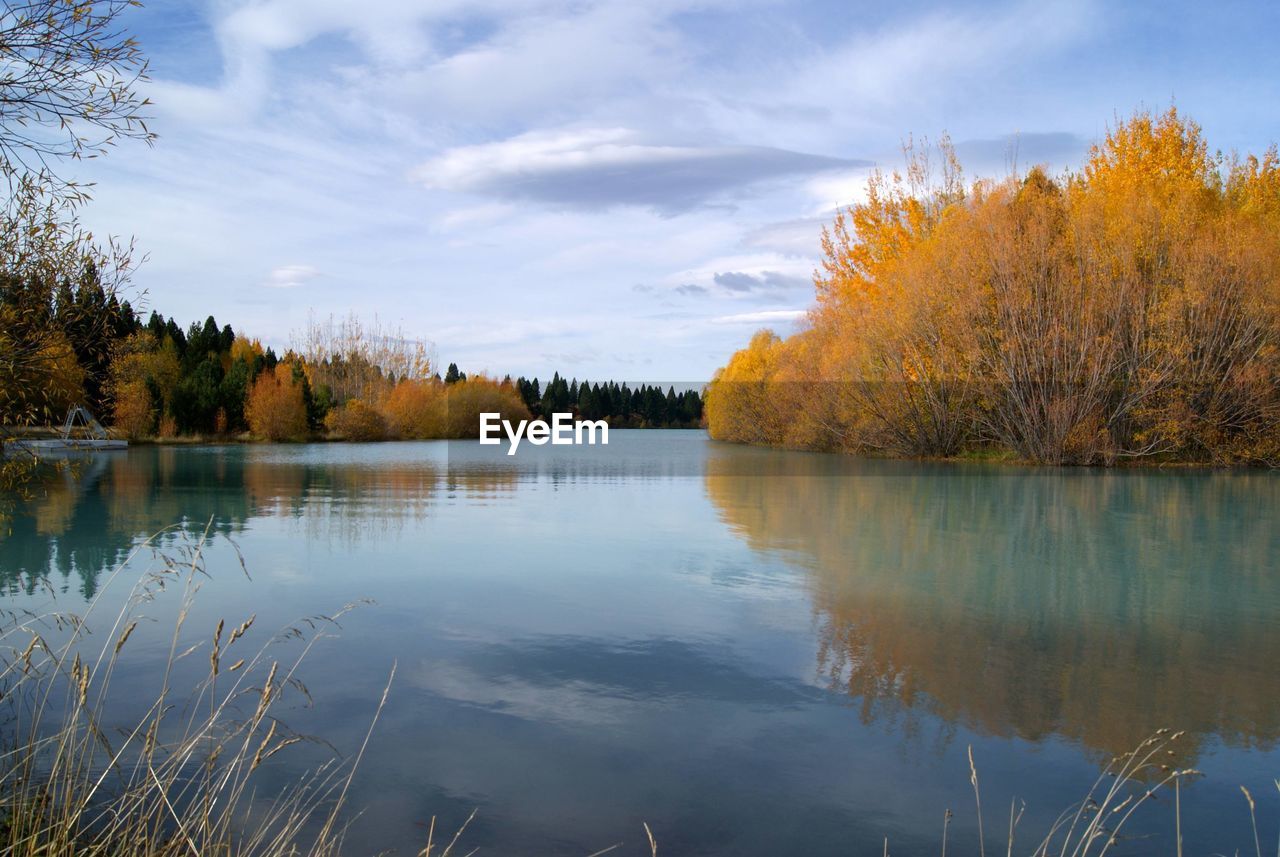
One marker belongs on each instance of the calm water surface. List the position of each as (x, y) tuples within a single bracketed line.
[(755, 651)]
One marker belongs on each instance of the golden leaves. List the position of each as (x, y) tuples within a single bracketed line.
[(1130, 310)]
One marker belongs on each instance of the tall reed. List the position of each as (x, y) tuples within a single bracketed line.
[(80, 775)]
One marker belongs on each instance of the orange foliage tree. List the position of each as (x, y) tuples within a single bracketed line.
[(1129, 310), (416, 410), (274, 408)]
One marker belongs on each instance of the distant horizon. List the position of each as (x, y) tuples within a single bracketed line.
[(608, 190)]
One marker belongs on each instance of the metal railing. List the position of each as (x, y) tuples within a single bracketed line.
[(79, 417)]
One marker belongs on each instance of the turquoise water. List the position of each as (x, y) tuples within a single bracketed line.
[(754, 651)]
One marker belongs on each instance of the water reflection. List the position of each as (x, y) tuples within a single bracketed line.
[(658, 607), (1022, 602), (79, 525)]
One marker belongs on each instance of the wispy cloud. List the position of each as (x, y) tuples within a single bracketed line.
[(742, 282), (603, 167)]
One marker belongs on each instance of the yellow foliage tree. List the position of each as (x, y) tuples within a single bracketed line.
[(745, 397), (417, 410), (135, 415), (245, 349), (136, 363), (357, 421), (1130, 310), (476, 395)]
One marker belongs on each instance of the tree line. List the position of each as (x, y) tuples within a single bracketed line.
[(342, 378), (1130, 310), (644, 406)]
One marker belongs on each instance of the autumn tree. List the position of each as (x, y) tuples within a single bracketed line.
[(745, 399), (417, 410), (275, 409), (57, 285), (357, 421), (136, 414), (355, 359), (477, 394), (1129, 310)]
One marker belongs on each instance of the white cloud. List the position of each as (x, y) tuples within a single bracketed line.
[(763, 317), (838, 190), (290, 276)]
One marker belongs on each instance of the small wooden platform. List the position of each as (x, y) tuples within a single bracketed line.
[(81, 434)]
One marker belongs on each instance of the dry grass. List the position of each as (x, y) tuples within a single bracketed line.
[(180, 778), (1095, 825)]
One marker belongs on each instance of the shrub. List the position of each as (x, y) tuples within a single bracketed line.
[(476, 395), (416, 410), (357, 421)]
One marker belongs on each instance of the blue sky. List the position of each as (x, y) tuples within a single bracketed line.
[(622, 188)]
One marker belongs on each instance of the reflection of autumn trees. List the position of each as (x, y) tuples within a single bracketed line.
[(78, 525), (1128, 310), (1030, 603)]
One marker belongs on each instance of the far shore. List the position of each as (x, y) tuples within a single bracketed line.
[(976, 455)]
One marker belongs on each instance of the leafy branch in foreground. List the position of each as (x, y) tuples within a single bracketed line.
[(69, 84), (70, 81)]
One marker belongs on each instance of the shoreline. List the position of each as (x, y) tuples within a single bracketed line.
[(979, 456), (1007, 458)]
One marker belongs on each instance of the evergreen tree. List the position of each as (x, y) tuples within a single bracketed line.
[(232, 393), (179, 338), (693, 407), (157, 326), (197, 398), (315, 416), (604, 401)]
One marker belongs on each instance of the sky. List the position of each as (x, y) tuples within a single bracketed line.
[(604, 188)]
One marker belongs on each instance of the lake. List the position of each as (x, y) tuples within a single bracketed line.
[(754, 651)]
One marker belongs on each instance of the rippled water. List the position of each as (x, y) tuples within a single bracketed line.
[(755, 651)]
